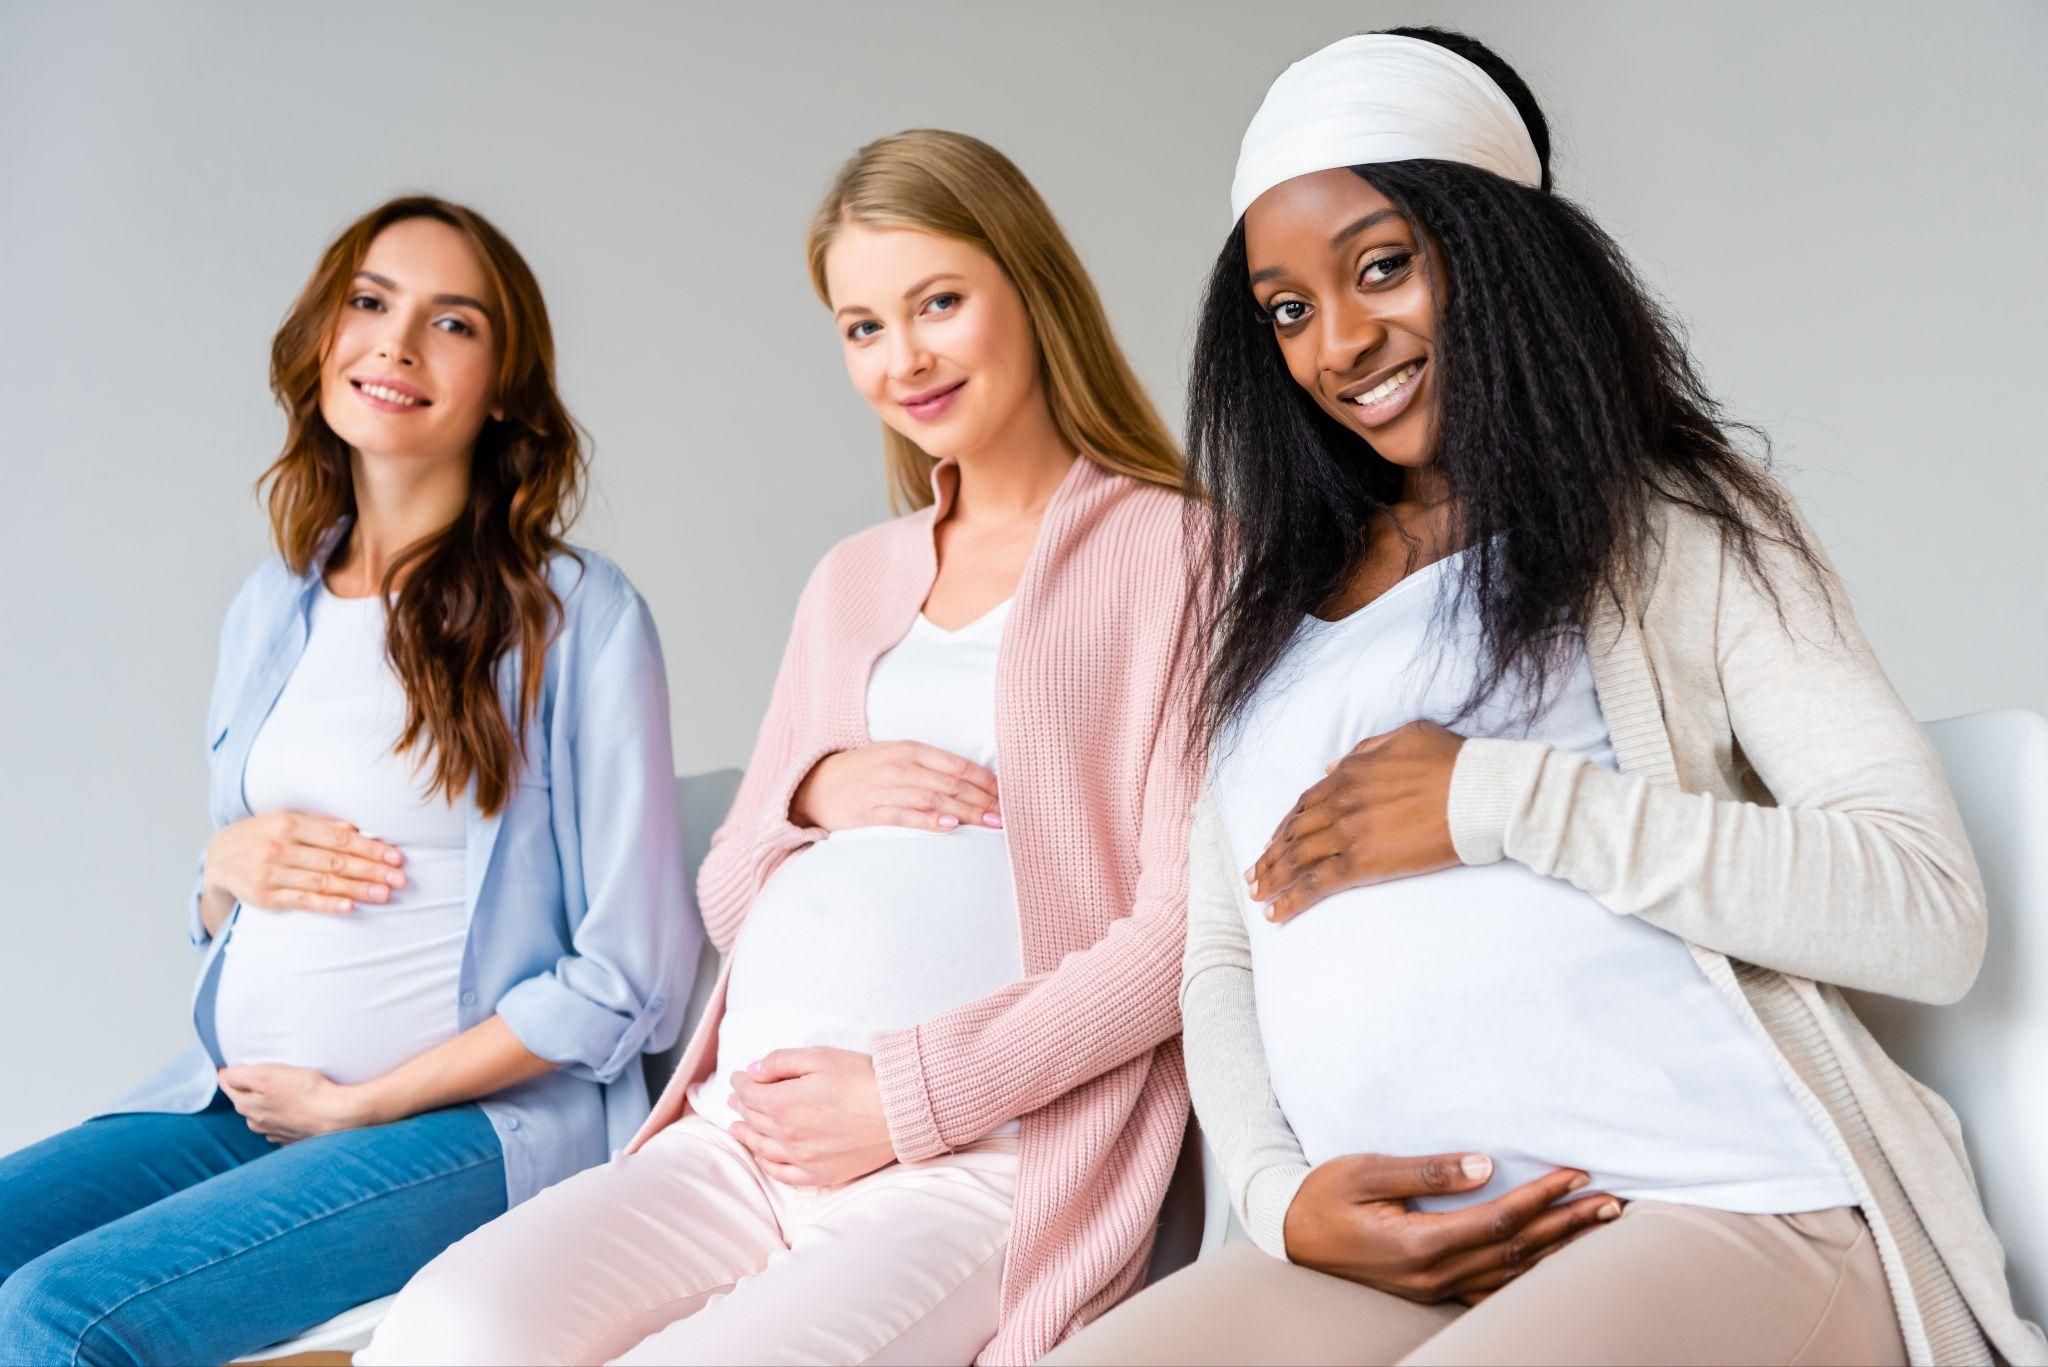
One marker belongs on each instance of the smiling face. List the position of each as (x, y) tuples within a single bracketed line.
[(411, 369), (935, 336), (1340, 273)]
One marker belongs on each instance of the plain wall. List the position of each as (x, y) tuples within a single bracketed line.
[(1845, 201)]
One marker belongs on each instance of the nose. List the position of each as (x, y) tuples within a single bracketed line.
[(908, 357), (395, 344), (1351, 333)]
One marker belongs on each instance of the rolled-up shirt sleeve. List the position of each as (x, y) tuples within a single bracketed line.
[(637, 942)]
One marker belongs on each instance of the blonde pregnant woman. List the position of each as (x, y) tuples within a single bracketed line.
[(933, 1106)]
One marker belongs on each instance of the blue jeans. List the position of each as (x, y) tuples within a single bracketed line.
[(189, 1238)]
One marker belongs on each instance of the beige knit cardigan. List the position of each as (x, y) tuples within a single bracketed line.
[(1779, 810)]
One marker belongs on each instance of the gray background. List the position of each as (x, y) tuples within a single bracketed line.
[(1845, 201)]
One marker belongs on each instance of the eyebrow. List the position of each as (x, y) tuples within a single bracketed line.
[(460, 300), (919, 288), (1349, 231)]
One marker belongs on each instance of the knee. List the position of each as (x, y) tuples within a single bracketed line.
[(449, 1315), (50, 1306)]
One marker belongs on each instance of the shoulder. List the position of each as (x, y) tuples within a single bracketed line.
[(596, 596), (267, 591), (1154, 527)]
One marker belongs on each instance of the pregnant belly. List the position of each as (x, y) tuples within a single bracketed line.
[(351, 996), (872, 929), (1493, 1010)]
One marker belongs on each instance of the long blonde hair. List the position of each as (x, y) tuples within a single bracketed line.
[(959, 187)]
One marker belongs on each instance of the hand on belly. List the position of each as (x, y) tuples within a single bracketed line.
[(812, 1117), (283, 1103), (1382, 813)]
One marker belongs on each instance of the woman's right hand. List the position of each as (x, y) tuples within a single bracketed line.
[(288, 861), (896, 783), (1350, 1219)]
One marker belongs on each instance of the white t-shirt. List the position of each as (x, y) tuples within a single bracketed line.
[(1490, 1009), (357, 994), (882, 927)]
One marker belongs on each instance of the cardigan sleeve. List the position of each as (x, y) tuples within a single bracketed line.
[(1232, 1089), (952, 1079), (1860, 875), (757, 834)]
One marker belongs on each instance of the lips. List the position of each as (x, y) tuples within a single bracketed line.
[(932, 402), (1383, 395), (392, 395)]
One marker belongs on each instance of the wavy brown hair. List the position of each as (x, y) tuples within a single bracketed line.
[(957, 186), (477, 591)]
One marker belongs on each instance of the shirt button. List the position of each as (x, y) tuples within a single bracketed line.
[(469, 999), (656, 1005), (511, 1122)]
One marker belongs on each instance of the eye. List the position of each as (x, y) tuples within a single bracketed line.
[(1286, 313), (1381, 269), (457, 326), (365, 302), (855, 333), (942, 303)]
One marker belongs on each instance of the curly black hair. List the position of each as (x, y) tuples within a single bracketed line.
[(1567, 407)]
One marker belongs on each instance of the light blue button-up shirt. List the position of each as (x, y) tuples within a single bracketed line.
[(583, 931)]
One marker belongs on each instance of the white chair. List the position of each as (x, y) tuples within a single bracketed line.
[(1988, 1054), (702, 800)]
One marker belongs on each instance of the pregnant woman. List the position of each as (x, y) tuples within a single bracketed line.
[(934, 1104), (444, 908), (1554, 794)]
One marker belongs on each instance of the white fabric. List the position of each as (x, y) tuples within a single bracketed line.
[(881, 927), (1489, 1008), (1377, 97), (357, 994)]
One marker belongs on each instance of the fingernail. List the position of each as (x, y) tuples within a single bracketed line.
[(947, 823), (992, 819), (393, 857), (1476, 1166), (1608, 1211), (1578, 1183), (754, 1068), (1248, 874), (1272, 913), (396, 880)]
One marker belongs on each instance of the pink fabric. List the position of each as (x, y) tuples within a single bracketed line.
[(688, 1253), (1093, 700)]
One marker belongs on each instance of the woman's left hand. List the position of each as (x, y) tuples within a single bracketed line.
[(1382, 813), (283, 1103), (813, 1117)]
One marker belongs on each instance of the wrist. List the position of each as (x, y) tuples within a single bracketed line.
[(375, 1102)]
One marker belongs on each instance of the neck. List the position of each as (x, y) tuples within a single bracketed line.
[(1015, 475), (398, 504)]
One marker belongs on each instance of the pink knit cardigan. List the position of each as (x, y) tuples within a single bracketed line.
[(1092, 711)]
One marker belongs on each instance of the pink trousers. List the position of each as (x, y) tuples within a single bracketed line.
[(687, 1253)]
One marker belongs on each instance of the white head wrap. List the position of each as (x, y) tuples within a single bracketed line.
[(1380, 97)]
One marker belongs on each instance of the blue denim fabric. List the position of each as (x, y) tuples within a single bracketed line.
[(583, 930), (159, 1238)]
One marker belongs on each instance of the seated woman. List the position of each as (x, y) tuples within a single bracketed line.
[(1553, 795), (934, 1103), (444, 910)]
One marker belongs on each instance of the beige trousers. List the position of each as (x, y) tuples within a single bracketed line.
[(1663, 1284), (687, 1253)]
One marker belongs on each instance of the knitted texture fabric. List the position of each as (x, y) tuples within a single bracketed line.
[(1093, 706)]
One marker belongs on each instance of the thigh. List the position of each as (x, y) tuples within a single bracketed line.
[(1682, 1284), (904, 1266), (55, 1190), (594, 1264), (262, 1251), (1241, 1305)]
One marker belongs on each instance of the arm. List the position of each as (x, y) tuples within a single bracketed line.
[(757, 834), (952, 1079), (1226, 1059), (636, 945), (1860, 876)]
